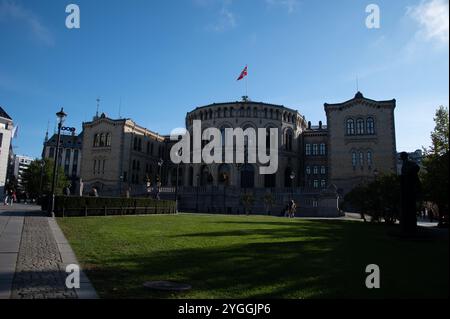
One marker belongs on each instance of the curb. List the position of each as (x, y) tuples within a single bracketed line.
[(86, 290)]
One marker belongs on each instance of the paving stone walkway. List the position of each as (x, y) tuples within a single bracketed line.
[(33, 257), (39, 270)]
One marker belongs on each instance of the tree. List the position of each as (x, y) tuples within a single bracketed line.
[(380, 198), (436, 160), (247, 201), (268, 201), (37, 179), (439, 137)]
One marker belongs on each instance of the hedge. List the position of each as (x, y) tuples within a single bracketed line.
[(66, 206)]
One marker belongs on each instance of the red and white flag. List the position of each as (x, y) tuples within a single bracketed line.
[(244, 73)]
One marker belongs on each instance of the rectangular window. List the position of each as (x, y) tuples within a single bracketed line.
[(315, 203), (322, 149), (95, 165), (308, 149), (369, 158), (315, 149), (104, 164), (322, 170), (316, 183), (316, 170), (323, 183), (308, 170)]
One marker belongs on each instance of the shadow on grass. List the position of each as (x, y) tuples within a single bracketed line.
[(302, 259)]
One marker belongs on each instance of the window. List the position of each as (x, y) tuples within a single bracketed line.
[(370, 126), (316, 170), (288, 140), (322, 149), (95, 165), (308, 170), (322, 170), (360, 126), (316, 183), (104, 164), (350, 127), (315, 149), (323, 183), (96, 140), (308, 149), (361, 159), (51, 153), (1, 139), (315, 203), (108, 139), (354, 159), (369, 158), (102, 140)]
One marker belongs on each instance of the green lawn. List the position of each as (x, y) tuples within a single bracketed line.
[(253, 257)]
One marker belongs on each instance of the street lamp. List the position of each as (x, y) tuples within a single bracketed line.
[(292, 176), (180, 153), (61, 116), (196, 202)]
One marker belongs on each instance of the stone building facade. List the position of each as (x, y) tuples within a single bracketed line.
[(317, 164), (120, 156), (6, 129), (361, 139)]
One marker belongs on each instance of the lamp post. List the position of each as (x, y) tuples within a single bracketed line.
[(180, 153), (42, 177), (292, 176), (61, 116), (160, 164), (196, 202)]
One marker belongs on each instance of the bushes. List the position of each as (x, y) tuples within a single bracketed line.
[(380, 198), (98, 206)]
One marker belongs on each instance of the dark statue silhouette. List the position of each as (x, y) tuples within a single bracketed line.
[(409, 185)]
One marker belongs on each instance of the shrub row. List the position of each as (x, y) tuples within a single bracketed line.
[(95, 206)]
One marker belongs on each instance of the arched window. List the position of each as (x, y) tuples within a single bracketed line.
[(249, 112), (288, 140), (361, 159), (370, 126), (354, 159), (225, 112), (369, 159), (108, 139), (96, 140), (350, 127), (247, 176), (255, 112), (102, 140), (359, 126)]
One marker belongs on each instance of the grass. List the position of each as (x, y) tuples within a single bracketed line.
[(253, 257)]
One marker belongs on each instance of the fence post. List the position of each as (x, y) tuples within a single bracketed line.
[(85, 211), (104, 207)]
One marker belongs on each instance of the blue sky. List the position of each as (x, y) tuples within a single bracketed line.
[(160, 59)]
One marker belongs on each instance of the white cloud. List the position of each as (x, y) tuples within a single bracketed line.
[(11, 11), (289, 5), (433, 19), (226, 18)]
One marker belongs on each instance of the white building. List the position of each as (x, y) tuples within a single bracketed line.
[(21, 164), (6, 128)]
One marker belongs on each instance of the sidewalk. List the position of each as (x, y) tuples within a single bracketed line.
[(33, 257)]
